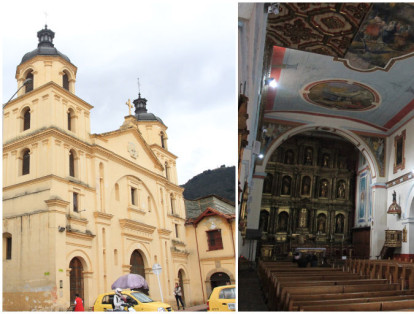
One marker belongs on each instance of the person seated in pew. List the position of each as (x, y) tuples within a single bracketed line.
[(324, 263), (303, 261), (314, 261)]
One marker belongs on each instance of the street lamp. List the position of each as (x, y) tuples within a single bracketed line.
[(156, 269), (24, 84)]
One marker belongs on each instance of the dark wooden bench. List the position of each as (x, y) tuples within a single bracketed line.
[(297, 299), (372, 306), (284, 302)]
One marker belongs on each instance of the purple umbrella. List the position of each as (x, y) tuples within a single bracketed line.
[(130, 281)]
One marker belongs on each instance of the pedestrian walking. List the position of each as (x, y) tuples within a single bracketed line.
[(78, 304), (178, 295)]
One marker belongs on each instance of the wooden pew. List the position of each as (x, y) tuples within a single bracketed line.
[(297, 299), (315, 290), (372, 306), (357, 300)]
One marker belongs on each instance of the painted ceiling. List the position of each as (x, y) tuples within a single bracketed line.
[(349, 60)]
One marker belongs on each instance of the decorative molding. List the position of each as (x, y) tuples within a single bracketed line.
[(401, 179)]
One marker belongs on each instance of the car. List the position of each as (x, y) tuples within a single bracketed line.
[(223, 298), (141, 302)]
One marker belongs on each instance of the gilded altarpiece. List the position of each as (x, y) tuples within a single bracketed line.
[(308, 195)]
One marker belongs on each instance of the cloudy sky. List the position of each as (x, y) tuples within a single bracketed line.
[(184, 54)]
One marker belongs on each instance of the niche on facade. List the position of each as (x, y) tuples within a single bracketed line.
[(267, 184), (326, 158), (306, 186), (286, 185), (289, 157), (283, 219), (339, 223), (324, 188), (321, 223), (308, 156), (264, 220), (340, 189)]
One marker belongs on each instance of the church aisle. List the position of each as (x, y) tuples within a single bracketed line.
[(250, 296)]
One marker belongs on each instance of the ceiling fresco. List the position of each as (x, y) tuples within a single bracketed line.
[(342, 95), (363, 35), (304, 40), (386, 34)]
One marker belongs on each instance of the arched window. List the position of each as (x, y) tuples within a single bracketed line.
[(172, 204), (71, 163), (26, 119), (162, 140), (26, 162), (71, 120), (29, 84), (65, 81)]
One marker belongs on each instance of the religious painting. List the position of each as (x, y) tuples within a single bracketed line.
[(399, 152), (271, 131), (386, 34), (341, 95), (377, 146)]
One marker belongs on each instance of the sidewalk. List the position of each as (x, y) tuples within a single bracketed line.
[(195, 308)]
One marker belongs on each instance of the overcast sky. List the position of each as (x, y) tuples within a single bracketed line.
[(184, 54)]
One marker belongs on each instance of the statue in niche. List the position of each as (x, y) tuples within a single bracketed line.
[(286, 185), (321, 223), (341, 164), (308, 156), (289, 157), (339, 225), (267, 186), (341, 190), (306, 186), (324, 189), (264, 218), (282, 226), (325, 162), (303, 218)]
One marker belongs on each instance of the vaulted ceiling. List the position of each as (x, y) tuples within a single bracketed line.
[(354, 61)]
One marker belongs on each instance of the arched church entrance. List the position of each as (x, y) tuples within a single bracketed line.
[(76, 279), (219, 279), (137, 264), (181, 283)]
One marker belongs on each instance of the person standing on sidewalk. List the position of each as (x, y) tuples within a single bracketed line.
[(78, 304), (178, 296)]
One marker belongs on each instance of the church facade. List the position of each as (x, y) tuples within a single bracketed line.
[(81, 209)]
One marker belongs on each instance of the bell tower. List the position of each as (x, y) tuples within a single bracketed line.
[(46, 94)]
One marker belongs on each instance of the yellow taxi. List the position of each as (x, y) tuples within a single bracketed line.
[(223, 298), (140, 301)]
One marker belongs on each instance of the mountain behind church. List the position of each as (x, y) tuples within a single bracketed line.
[(220, 181)]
